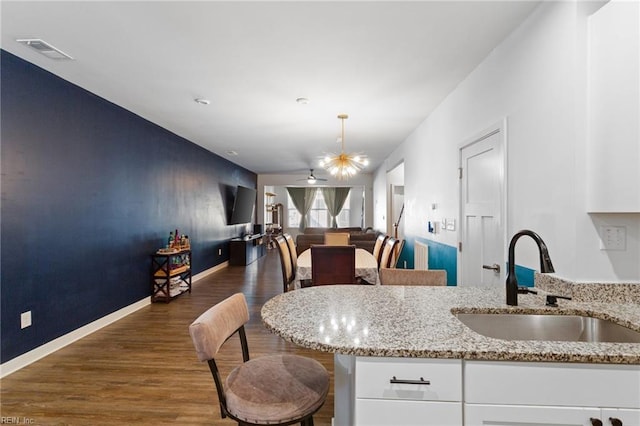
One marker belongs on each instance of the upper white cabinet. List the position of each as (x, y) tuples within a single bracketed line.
[(613, 147)]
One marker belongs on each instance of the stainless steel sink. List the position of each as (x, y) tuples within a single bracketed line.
[(571, 328)]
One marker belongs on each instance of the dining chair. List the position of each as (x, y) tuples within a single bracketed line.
[(288, 273), (337, 239), (395, 254), (387, 252), (269, 390), (394, 276), (378, 246), (333, 265), (292, 251)]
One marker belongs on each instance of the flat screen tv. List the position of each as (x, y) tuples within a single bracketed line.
[(243, 205)]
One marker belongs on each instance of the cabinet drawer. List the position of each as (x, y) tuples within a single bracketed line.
[(442, 379), (375, 412), (481, 415), (580, 385)]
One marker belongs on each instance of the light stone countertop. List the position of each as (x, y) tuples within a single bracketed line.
[(417, 321)]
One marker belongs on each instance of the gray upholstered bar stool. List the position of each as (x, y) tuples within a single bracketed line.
[(269, 390)]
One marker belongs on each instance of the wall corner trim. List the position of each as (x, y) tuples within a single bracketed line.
[(62, 341)]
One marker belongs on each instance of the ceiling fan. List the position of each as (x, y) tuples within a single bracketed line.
[(311, 179)]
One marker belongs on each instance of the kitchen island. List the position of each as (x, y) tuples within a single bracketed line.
[(384, 330)]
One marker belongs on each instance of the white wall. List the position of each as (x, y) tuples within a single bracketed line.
[(536, 79), (380, 199)]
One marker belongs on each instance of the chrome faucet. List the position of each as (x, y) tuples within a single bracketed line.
[(545, 264)]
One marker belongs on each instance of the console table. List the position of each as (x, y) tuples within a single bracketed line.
[(243, 251)]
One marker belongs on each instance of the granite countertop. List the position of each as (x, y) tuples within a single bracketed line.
[(417, 321)]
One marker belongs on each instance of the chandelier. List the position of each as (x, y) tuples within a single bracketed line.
[(344, 166)]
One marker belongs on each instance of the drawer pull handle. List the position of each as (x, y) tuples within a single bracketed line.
[(615, 422), (409, 382)]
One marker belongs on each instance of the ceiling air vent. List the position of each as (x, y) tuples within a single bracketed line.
[(44, 48)]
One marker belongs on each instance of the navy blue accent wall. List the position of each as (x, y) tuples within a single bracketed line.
[(89, 191), (441, 256)]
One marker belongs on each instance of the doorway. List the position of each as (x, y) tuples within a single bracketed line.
[(395, 208), (483, 209)]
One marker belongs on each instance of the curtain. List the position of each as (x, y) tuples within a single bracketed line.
[(302, 200), (334, 198)]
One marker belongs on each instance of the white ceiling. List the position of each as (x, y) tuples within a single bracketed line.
[(386, 64)]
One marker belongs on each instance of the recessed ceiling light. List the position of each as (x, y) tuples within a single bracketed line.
[(44, 48), (202, 101), (230, 152), (302, 101)]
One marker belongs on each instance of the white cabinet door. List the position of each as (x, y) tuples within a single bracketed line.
[(380, 412), (409, 379), (627, 417), (523, 415), (613, 150), (552, 384)]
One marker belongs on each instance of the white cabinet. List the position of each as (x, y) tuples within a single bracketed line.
[(490, 415), (627, 417), (372, 412), (376, 391), (613, 147), (498, 393), (401, 391)]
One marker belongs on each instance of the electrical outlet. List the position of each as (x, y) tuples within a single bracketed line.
[(25, 319), (613, 238), (219, 252)]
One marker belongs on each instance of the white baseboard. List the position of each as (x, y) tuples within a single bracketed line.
[(209, 271), (62, 341)]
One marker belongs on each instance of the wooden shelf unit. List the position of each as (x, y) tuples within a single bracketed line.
[(170, 275)]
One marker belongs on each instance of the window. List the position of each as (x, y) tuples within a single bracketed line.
[(318, 215), (293, 217)]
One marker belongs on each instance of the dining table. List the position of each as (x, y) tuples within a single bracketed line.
[(366, 267)]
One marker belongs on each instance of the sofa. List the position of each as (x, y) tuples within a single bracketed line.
[(364, 239)]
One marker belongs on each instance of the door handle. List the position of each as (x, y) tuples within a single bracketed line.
[(495, 267)]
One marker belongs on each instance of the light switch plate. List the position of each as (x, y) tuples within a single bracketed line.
[(25, 319), (451, 224), (613, 237)]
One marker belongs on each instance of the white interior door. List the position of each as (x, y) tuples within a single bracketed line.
[(482, 204)]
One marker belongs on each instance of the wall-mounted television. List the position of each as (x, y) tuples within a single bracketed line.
[(243, 206)]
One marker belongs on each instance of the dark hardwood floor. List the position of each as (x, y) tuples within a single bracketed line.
[(143, 368)]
